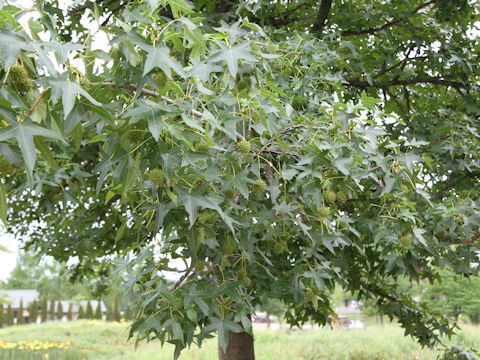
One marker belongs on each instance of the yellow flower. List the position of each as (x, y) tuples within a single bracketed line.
[(46, 356)]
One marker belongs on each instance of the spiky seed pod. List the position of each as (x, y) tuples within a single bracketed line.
[(5, 166), (280, 247), (161, 79), (242, 273), (202, 146), (84, 83), (199, 266), (329, 196), (18, 78), (260, 185), (342, 197), (156, 177), (244, 146), (406, 240), (229, 247), (230, 194), (324, 212)]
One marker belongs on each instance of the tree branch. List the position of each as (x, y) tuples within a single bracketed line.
[(143, 91), (322, 15), (373, 30), (412, 81)]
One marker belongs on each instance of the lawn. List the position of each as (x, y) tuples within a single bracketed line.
[(98, 340)]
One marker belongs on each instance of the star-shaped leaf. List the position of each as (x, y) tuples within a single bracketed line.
[(232, 54), (68, 90), (24, 133)]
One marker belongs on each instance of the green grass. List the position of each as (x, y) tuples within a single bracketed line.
[(100, 341)]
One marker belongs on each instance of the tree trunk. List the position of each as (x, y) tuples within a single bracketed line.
[(240, 347), (381, 319)]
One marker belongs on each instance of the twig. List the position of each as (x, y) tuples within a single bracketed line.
[(373, 30), (35, 104), (187, 276), (145, 92)]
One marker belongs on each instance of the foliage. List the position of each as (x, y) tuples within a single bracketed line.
[(98, 311), (453, 296), (33, 312), (47, 277), (110, 313), (271, 150), (116, 310), (70, 311), (10, 316), (89, 311), (80, 312), (59, 310), (20, 316), (43, 310), (128, 313), (52, 311)]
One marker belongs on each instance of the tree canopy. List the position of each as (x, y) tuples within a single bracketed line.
[(276, 148)]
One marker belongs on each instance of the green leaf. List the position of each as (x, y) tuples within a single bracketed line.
[(160, 57), (23, 133), (155, 125), (192, 314), (232, 54), (68, 90)]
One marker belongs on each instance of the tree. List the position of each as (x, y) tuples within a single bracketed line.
[(109, 315), (51, 311), (70, 311), (274, 150), (98, 310), (116, 310), (2, 315), (454, 296), (32, 318), (10, 316), (128, 313), (59, 310), (20, 316), (80, 312), (89, 312), (43, 313)]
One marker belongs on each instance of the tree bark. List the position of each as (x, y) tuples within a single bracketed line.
[(240, 347)]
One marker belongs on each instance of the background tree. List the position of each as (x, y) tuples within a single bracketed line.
[(116, 310), (454, 296), (89, 311), (10, 316), (98, 310), (70, 311), (33, 310), (274, 150), (43, 310), (59, 310), (80, 312), (128, 313), (2, 316), (109, 315), (20, 316), (52, 310)]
